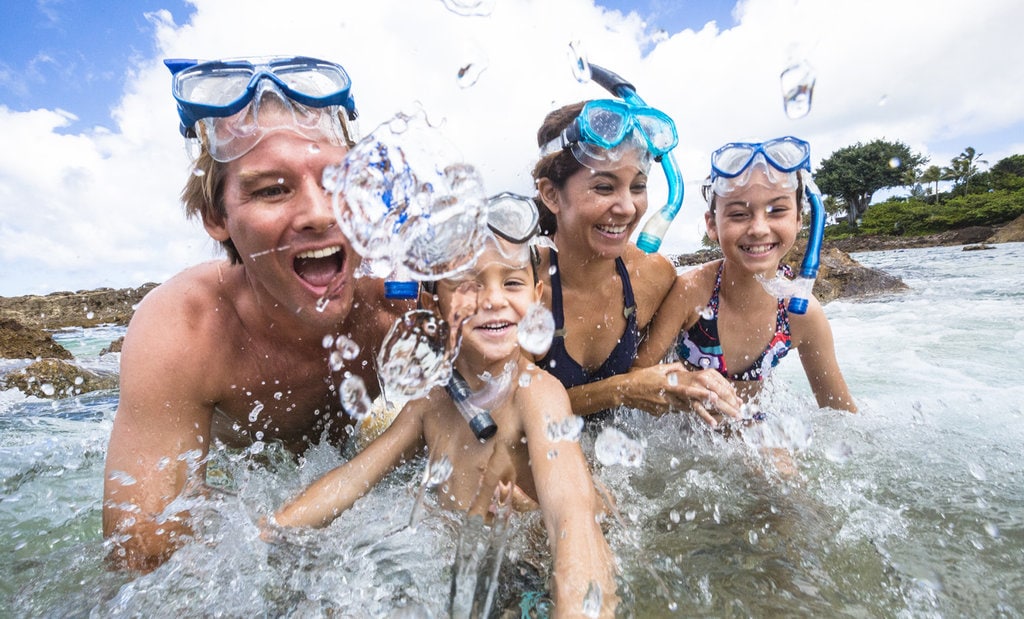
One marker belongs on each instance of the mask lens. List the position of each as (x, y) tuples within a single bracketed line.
[(512, 217), (604, 127), (213, 88), (661, 136), (787, 154), (315, 81), (731, 160)]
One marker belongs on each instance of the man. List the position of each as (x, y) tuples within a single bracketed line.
[(235, 350)]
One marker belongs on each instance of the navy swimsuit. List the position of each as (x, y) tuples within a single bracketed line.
[(558, 362)]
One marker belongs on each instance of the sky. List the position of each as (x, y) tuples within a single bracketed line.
[(92, 163)]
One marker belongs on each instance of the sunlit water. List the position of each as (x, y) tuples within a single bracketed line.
[(913, 507)]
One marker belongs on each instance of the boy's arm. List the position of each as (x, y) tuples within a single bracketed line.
[(818, 356), (569, 503), (160, 435), (339, 489)]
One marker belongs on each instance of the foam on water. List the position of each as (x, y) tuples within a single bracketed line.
[(911, 507)]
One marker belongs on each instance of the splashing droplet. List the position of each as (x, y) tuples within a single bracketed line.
[(328, 341), (469, 74), (347, 347), (198, 172), (354, 398), (413, 356), (335, 361), (578, 62), (895, 162), (592, 600), (797, 89), (569, 429), (536, 330), (613, 447), (469, 8), (254, 414)]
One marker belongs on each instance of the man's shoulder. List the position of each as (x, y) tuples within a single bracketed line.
[(192, 300)]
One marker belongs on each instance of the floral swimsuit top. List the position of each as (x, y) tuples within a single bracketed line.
[(700, 347)]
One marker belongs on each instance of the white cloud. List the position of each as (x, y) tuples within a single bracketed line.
[(101, 207)]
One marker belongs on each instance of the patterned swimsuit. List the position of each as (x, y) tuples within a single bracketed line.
[(700, 347)]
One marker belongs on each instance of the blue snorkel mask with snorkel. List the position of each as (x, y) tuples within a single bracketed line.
[(786, 162), (607, 129)]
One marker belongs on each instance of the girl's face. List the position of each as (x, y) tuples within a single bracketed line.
[(598, 210), (756, 225)]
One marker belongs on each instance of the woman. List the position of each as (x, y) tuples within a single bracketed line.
[(602, 290)]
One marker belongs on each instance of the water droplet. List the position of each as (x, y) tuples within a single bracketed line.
[(278, 395), (198, 172), (256, 447), (79, 380), (348, 348), (883, 100), (552, 270), (90, 315), (592, 600), (328, 341), (255, 412), (259, 435), (674, 516), (690, 515), (673, 463), (992, 529), (536, 329), (895, 162), (322, 303), (469, 8), (525, 379), (707, 312), (314, 148), (797, 89), (122, 478), (752, 537), (47, 389), (335, 361), (469, 74), (354, 398), (672, 379), (413, 356), (578, 62), (569, 429), (613, 447)]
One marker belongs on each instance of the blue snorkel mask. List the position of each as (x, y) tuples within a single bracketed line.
[(607, 129), (786, 161), (219, 101)]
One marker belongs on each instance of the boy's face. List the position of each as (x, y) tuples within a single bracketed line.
[(492, 299)]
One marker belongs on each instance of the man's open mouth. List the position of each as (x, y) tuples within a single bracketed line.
[(318, 267)]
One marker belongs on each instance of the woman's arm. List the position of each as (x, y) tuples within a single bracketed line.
[(338, 490), (818, 356)]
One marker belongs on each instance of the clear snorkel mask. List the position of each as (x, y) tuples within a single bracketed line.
[(786, 162), (229, 106), (606, 131)]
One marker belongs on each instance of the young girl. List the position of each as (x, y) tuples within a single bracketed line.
[(722, 313), (602, 289), (517, 454)]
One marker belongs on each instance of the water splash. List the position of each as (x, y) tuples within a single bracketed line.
[(435, 473), (414, 356), (408, 202), (783, 288), (354, 398), (613, 447), (536, 329), (468, 74), (578, 62), (797, 82), (470, 8), (592, 601), (569, 429), (347, 347)]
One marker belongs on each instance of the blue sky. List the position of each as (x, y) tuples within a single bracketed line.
[(93, 163)]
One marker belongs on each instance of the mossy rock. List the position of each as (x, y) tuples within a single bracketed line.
[(54, 378)]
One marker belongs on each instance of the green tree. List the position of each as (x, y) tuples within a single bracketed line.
[(933, 174), (853, 174), (963, 168), (1007, 173)]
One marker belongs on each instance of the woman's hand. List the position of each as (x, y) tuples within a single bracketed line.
[(661, 388)]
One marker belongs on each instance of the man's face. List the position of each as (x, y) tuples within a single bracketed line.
[(280, 219)]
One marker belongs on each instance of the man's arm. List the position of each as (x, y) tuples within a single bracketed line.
[(160, 435)]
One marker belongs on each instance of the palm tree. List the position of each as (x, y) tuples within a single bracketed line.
[(964, 167), (933, 174)]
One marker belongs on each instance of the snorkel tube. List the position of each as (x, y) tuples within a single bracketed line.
[(654, 231), (812, 255), (479, 419)]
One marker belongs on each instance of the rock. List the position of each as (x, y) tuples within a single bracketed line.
[(978, 247), (839, 275), (20, 342), (115, 346), (1012, 232), (53, 378), (85, 308)]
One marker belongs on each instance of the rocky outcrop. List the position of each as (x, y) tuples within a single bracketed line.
[(839, 275), (963, 236), (1012, 232), (20, 342), (85, 308), (54, 378)]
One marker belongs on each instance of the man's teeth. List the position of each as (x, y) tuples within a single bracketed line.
[(320, 253)]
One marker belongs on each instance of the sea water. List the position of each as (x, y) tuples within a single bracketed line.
[(912, 507)]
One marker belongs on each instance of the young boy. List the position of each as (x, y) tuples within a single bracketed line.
[(546, 474)]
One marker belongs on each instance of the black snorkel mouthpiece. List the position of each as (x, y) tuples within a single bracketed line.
[(480, 421)]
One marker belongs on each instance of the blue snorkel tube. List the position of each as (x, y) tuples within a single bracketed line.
[(812, 255), (654, 231)]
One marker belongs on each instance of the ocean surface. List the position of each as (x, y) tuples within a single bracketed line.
[(912, 508)]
